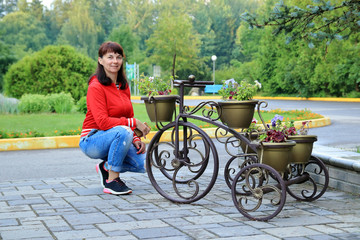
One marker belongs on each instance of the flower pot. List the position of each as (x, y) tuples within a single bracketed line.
[(251, 136), (160, 108), (276, 155), (237, 114), (301, 152)]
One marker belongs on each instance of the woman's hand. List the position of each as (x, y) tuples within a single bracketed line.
[(140, 146), (142, 127)]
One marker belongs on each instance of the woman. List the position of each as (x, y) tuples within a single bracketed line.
[(107, 131)]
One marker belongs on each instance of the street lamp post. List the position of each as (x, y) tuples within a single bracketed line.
[(213, 58)]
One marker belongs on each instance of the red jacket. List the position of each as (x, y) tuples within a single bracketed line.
[(107, 107)]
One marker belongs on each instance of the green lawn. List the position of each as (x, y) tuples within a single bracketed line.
[(37, 125)]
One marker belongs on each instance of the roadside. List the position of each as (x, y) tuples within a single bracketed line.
[(72, 141), (16, 144), (270, 98)]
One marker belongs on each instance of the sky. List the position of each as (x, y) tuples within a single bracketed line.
[(47, 3)]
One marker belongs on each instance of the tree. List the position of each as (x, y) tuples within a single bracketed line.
[(224, 25), (127, 39), (80, 30), (103, 12), (7, 6), (339, 73), (23, 6), (23, 32), (37, 9), (174, 45), (6, 59), (319, 21), (202, 24), (140, 15), (284, 62), (55, 18)]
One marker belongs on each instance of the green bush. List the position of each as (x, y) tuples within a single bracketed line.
[(33, 103), (8, 105), (353, 94), (54, 69), (61, 102), (81, 105), (6, 59)]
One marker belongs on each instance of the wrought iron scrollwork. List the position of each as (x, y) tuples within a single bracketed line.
[(232, 142), (232, 167), (209, 110), (182, 164), (163, 157), (221, 133), (258, 192), (259, 112), (314, 174)]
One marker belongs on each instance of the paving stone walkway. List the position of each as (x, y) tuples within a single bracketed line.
[(75, 208)]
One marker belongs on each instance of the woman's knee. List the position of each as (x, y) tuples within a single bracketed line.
[(92, 151), (123, 132)]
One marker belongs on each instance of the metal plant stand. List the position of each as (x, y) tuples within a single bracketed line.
[(182, 163)]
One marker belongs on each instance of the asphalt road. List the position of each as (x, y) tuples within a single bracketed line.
[(344, 131)]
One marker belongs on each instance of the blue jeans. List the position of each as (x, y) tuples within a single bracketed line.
[(114, 146)]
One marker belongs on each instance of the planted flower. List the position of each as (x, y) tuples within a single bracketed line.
[(160, 105), (279, 131), (153, 86), (232, 90), (254, 127), (274, 149), (292, 131), (276, 132), (239, 112)]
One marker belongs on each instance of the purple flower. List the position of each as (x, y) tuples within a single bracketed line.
[(276, 119), (273, 123)]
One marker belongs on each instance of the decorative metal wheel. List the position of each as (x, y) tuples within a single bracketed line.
[(311, 180), (182, 169), (232, 167), (258, 192)]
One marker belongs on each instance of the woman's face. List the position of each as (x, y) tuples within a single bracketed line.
[(111, 62)]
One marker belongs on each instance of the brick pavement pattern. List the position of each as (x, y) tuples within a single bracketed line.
[(76, 208)]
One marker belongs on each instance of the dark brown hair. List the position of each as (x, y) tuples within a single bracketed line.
[(111, 47)]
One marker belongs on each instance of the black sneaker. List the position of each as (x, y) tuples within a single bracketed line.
[(116, 187), (104, 174)]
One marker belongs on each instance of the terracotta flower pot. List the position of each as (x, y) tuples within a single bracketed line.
[(237, 114), (160, 108), (276, 155), (301, 152)]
